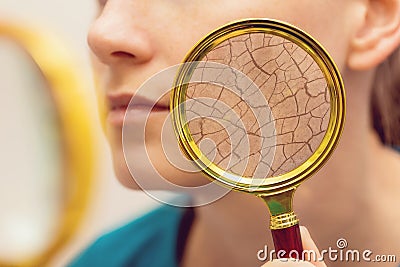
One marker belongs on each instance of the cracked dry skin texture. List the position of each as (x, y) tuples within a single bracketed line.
[(241, 135)]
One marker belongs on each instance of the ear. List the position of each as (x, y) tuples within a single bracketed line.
[(378, 35)]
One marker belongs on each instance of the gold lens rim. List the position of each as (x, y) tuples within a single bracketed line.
[(287, 181)]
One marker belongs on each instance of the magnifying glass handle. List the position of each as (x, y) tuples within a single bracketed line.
[(284, 225), (288, 240)]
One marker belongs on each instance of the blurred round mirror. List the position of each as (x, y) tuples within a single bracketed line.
[(46, 156)]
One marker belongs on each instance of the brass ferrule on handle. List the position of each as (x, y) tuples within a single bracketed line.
[(283, 221)]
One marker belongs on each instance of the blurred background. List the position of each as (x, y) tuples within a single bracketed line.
[(33, 187)]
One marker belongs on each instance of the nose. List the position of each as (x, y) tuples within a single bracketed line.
[(117, 36)]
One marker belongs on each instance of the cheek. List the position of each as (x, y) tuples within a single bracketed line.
[(325, 22)]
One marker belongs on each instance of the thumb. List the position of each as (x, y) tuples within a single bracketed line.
[(312, 253)]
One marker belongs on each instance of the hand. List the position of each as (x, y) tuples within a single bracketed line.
[(308, 244)]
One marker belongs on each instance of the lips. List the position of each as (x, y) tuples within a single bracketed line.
[(138, 106)]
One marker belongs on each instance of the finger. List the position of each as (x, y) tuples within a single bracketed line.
[(309, 245), (288, 263)]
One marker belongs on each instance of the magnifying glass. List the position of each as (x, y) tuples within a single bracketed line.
[(47, 140), (259, 107)]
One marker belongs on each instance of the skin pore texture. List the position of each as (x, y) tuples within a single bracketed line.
[(354, 194), (287, 80)]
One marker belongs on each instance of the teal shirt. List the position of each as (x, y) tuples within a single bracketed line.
[(155, 239)]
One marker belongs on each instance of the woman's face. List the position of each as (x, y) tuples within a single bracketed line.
[(132, 40)]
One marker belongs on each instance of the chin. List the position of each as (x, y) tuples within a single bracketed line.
[(163, 168), (123, 174), (153, 176)]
